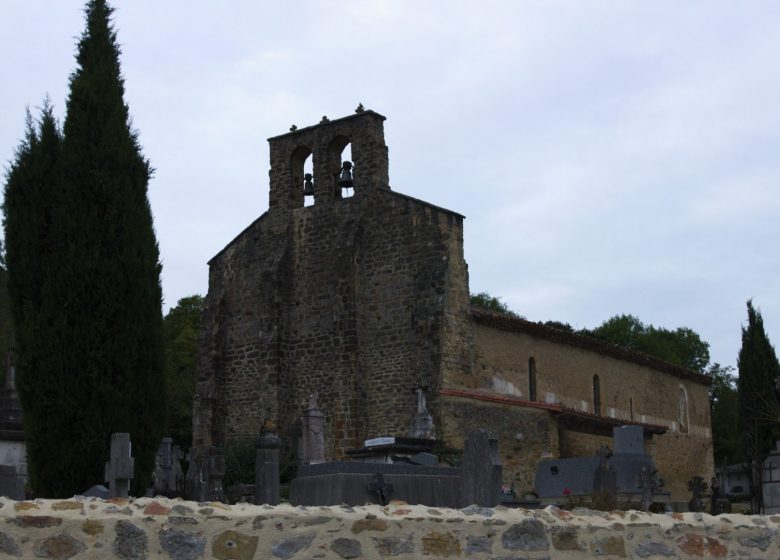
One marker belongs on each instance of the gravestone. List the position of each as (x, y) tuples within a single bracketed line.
[(718, 504), (480, 475), (629, 440), (604, 479), (119, 467), (313, 437), (96, 491), (422, 422), (204, 477), (216, 472), (649, 482), (11, 484), (697, 487), (168, 476), (382, 489), (267, 466), (558, 480)]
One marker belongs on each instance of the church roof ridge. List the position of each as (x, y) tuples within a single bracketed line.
[(327, 122)]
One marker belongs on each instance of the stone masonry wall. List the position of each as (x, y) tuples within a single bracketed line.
[(353, 298), (564, 374), (166, 529), (525, 435)]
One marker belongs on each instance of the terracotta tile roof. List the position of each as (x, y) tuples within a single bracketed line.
[(554, 408), (538, 330)]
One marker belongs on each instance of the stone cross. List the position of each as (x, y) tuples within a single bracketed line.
[(697, 486), (605, 478), (649, 482), (381, 488), (480, 471), (267, 466), (313, 426), (119, 467), (715, 506)]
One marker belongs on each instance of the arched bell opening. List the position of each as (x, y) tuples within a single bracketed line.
[(301, 167), (308, 181), (341, 166)]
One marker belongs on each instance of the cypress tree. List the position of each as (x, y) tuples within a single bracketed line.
[(31, 192), (97, 332), (759, 372)]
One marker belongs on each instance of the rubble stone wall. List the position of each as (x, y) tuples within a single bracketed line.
[(170, 529), (525, 435), (359, 299)]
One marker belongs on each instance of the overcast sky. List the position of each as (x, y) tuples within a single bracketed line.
[(609, 157)]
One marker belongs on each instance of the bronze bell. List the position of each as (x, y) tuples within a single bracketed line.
[(308, 185), (345, 180)]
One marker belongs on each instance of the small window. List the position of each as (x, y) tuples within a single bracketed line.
[(682, 409), (596, 395), (631, 407), (531, 379)]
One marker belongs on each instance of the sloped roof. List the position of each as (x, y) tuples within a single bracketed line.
[(554, 408), (538, 330)]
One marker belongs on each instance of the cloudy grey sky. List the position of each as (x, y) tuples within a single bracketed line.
[(610, 156)]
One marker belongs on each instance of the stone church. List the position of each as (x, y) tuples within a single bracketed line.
[(365, 298)]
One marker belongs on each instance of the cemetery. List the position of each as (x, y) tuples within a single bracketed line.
[(349, 398), (474, 456), (391, 500)]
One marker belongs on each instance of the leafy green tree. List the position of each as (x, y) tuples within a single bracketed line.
[(759, 411), (181, 326), (485, 301), (724, 412), (622, 330), (681, 346), (93, 360)]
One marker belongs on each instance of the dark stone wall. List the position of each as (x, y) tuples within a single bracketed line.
[(525, 435), (346, 298)]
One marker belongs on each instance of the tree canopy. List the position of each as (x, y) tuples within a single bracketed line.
[(680, 346), (84, 276), (182, 326), (486, 302), (724, 413)]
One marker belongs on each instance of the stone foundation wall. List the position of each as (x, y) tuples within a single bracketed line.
[(525, 435), (160, 528)]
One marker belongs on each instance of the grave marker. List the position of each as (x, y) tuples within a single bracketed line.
[(120, 466), (267, 465), (313, 425), (480, 470)]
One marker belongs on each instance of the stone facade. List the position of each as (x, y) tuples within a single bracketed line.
[(670, 402), (358, 299), (363, 299)]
